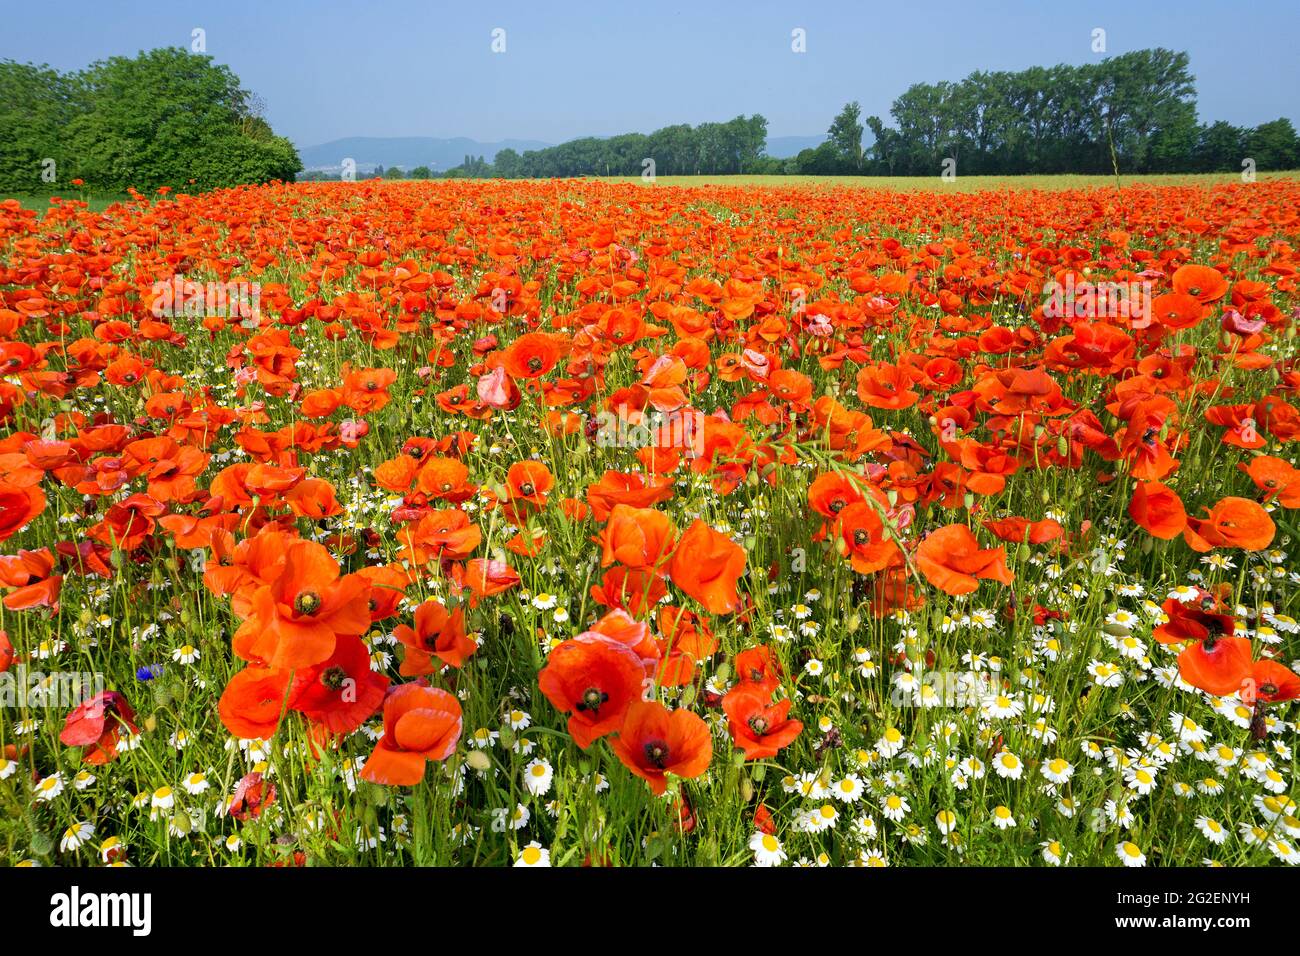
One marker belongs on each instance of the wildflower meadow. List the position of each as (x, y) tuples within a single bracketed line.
[(578, 522)]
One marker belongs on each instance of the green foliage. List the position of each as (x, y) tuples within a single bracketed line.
[(733, 147), (1066, 119), (163, 118)]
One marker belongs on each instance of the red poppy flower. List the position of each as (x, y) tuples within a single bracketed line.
[(759, 728), (1217, 666), (654, 742), (952, 560), (1157, 509), (96, 724), (341, 692), (420, 724), (437, 634), (707, 566), (594, 679)]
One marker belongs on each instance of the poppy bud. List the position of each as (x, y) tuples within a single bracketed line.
[(854, 622), (1062, 445), (688, 695), (1117, 630), (1023, 552), (41, 844), (760, 772), (478, 760), (746, 790), (151, 723), (968, 501), (507, 737), (723, 672)]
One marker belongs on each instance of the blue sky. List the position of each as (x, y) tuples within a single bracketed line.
[(330, 69)]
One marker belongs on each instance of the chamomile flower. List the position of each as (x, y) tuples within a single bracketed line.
[(767, 849), (538, 775), (534, 854), (1058, 770), (1130, 854), (76, 835)]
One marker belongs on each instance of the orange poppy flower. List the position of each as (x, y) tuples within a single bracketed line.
[(1157, 509), (420, 724), (1193, 621), (30, 575), (758, 728), (594, 679), (638, 538), (529, 481), (1204, 283), (1278, 480), (1231, 523), (487, 578), (951, 560), (1175, 310), (831, 492), (759, 669), (636, 490), (18, 507), (1272, 682), (437, 633), (251, 705), (654, 741), (1217, 666), (341, 692), (1021, 530), (532, 355), (444, 478), (707, 565), (295, 620)]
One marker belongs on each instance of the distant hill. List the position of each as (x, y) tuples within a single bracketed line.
[(783, 147), (406, 152)]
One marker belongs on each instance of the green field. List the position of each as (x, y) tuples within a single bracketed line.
[(42, 202)]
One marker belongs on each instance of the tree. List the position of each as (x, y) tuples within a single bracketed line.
[(36, 105), (168, 118), (1273, 145), (845, 137), (508, 164)]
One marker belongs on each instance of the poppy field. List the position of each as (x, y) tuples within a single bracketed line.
[(563, 523)]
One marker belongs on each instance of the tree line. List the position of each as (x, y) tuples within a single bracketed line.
[(167, 117), (1134, 113)]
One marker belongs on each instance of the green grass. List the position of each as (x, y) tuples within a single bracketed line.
[(41, 202)]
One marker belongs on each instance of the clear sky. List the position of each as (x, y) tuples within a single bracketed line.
[(329, 69)]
